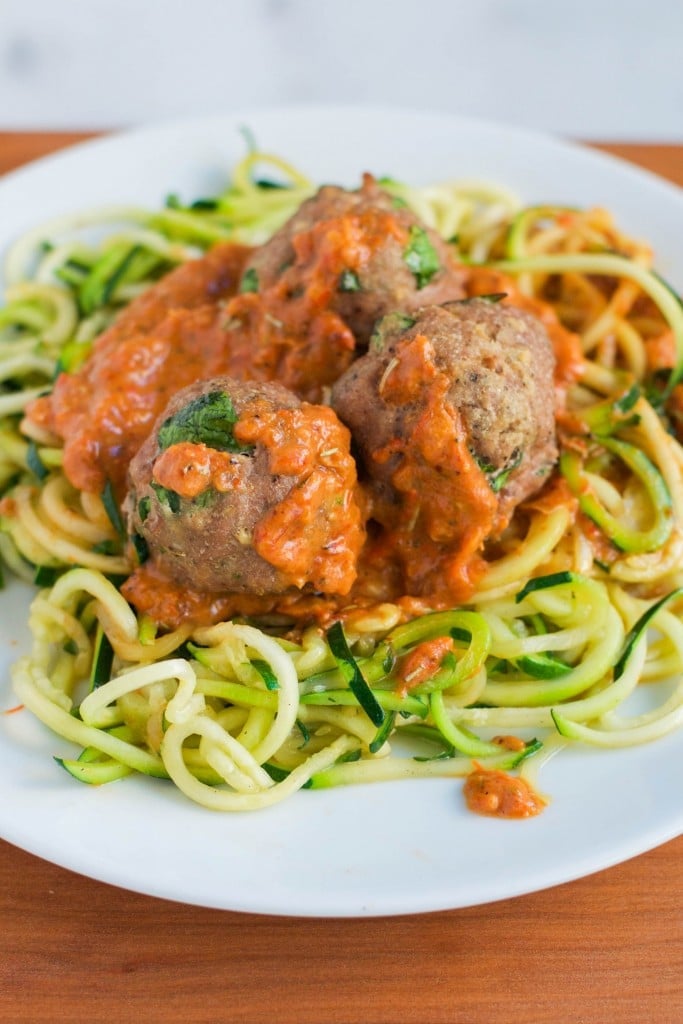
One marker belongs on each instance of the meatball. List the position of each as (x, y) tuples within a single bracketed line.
[(452, 411), (359, 254), (242, 488), (498, 363)]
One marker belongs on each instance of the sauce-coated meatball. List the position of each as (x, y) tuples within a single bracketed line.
[(358, 254), (452, 412), (242, 488)]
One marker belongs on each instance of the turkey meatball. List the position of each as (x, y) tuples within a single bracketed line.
[(242, 488), (361, 253), (452, 412)]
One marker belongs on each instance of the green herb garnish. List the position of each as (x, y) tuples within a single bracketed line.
[(249, 282), (165, 497), (348, 281), (208, 419), (144, 507), (421, 257)]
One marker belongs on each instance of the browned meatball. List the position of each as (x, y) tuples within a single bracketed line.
[(359, 254), (242, 488), (487, 367)]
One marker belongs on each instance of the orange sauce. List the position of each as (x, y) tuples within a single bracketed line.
[(290, 327), (169, 337), (509, 742), (286, 340), (555, 495), (13, 711), (660, 351), (423, 662), (151, 591), (315, 534), (8, 507), (448, 508), (497, 794), (190, 469)]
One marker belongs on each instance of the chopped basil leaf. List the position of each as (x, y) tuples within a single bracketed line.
[(498, 478), (208, 419), (204, 499), (144, 507), (348, 281), (421, 257), (249, 282), (165, 497)]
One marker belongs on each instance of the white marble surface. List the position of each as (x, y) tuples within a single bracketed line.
[(588, 68)]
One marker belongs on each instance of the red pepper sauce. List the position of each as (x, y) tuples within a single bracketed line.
[(291, 328), (151, 591), (423, 662), (169, 337), (447, 507), (315, 534), (190, 469), (499, 795)]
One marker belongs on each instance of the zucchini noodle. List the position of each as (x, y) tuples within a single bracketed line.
[(577, 619)]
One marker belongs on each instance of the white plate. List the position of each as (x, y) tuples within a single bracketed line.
[(383, 849)]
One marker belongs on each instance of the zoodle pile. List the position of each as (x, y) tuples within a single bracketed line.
[(579, 602)]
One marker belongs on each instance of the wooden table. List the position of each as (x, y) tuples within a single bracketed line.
[(608, 947)]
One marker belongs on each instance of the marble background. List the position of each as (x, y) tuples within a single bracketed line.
[(609, 69)]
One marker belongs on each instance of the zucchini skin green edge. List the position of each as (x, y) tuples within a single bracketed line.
[(576, 730)]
